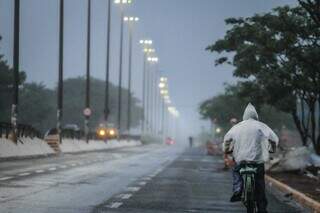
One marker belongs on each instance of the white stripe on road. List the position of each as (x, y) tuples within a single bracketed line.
[(39, 171), (63, 166), (115, 205), (147, 178), (125, 196), (52, 169), (133, 189), (142, 183), (5, 178), (24, 174), (73, 164)]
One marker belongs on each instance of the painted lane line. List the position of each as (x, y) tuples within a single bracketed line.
[(5, 178), (115, 205), (125, 196), (39, 171), (63, 166), (24, 174), (52, 169), (73, 164), (147, 178), (133, 189), (142, 183)]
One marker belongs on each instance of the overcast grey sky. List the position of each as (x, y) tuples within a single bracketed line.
[(181, 29)]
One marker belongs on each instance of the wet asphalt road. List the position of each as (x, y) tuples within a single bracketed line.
[(139, 180)]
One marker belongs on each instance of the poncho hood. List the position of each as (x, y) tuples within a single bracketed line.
[(250, 113)]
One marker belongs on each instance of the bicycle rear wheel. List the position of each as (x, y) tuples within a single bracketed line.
[(250, 202)]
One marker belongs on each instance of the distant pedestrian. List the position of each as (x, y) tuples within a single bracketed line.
[(190, 141)]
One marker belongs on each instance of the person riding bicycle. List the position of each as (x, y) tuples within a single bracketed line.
[(249, 142)]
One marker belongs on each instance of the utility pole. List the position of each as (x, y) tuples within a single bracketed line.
[(16, 47), (60, 77)]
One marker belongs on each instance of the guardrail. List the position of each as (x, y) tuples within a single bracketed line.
[(23, 130)]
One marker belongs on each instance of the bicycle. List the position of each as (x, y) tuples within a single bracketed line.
[(248, 172)]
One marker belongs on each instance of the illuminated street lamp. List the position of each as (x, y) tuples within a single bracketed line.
[(152, 92), (130, 20), (146, 44), (122, 3)]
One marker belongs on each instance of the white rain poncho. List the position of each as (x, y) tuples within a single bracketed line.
[(249, 139)]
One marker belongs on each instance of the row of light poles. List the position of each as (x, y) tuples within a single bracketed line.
[(152, 96)]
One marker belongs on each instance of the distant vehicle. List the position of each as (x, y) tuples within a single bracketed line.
[(170, 141), (73, 127), (104, 132)]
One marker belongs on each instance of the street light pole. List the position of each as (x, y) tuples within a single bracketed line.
[(146, 50), (87, 102), (60, 77), (144, 93), (129, 79), (16, 48), (130, 20), (120, 72), (106, 107)]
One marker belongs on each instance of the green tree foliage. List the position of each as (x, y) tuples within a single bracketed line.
[(222, 108), (313, 8), (74, 96), (277, 55), (6, 88)]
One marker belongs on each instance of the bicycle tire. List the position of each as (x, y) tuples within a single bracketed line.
[(250, 203)]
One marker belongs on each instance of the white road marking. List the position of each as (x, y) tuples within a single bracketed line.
[(5, 178), (73, 164), (24, 174), (147, 178), (115, 205), (142, 183), (133, 189), (52, 169), (63, 166), (39, 171), (125, 196)]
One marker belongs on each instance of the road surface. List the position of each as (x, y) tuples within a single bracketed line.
[(142, 179)]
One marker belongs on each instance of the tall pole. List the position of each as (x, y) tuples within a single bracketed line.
[(60, 77), (120, 72), (147, 100), (162, 117), (144, 93), (16, 36), (106, 107), (129, 79), (87, 103)]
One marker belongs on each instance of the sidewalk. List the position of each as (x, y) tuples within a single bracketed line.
[(194, 182)]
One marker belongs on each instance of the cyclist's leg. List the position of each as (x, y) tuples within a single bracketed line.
[(260, 190), (237, 179)]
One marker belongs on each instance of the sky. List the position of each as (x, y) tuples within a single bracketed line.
[(180, 29)]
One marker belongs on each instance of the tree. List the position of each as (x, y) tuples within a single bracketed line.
[(37, 106), (313, 8), (277, 55), (74, 90), (231, 104), (6, 88)]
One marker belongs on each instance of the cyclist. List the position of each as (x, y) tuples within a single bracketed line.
[(249, 141)]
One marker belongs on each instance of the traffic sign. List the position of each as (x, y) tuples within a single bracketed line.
[(87, 112)]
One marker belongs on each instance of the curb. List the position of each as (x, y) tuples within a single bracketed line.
[(296, 195)]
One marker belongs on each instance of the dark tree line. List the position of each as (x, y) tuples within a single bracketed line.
[(37, 105)]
